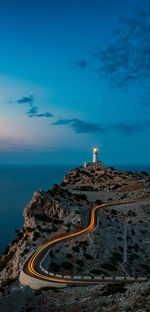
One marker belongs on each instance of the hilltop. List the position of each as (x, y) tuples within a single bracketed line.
[(106, 179)]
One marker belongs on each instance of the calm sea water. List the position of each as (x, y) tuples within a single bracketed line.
[(17, 184)]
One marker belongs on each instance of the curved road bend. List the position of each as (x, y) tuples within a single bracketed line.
[(32, 265)]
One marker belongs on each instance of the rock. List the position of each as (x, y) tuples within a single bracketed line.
[(16, 300)]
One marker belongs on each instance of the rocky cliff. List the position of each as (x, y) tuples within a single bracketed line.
[(118, 245), (48, 214)]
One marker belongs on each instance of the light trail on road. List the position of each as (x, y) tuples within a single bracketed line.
[(89, 228)]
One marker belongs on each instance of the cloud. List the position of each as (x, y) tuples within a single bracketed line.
[(26, 100), (126, 128), (33, 111), (80, 126), (48, 115), (82, 64), (130, 128), (61, 122), (125, 61)]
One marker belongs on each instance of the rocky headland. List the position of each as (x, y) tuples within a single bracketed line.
[(119, 245)]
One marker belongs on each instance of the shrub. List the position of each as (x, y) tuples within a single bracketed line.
[(3, 264), (97, 272), (19, 235), (49, 230), (145, 267), (108, 266), (69, 225), (63, 184), (55, 267), (83, 243), (81, 196), (116, 186), (80, 262), (136, 247), (43, 217), (87, 256), (29, 229), (67, 265), (113, 211), (13, 242), (57, 190), (98, 202), (51, 253), (120, 248), (116, 257), (5, 252), (54, 229), (132, 213), (86, 188), (8, 282), (68, 256), (76, 248), (92, 170), (57, 221), (112, 289), (36, 235), (144, 173), (119, 238)]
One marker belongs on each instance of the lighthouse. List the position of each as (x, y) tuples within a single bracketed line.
[(95, 154), (96, 165)]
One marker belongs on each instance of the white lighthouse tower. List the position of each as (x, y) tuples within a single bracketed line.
[(95, 154)]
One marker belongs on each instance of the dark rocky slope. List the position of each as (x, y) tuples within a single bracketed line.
[(119, 244)]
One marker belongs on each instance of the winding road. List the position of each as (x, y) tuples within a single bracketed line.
[(32, 266)]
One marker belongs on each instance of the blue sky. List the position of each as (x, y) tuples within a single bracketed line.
[(74, 74)]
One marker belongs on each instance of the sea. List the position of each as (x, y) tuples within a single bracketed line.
[(17, 184)]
